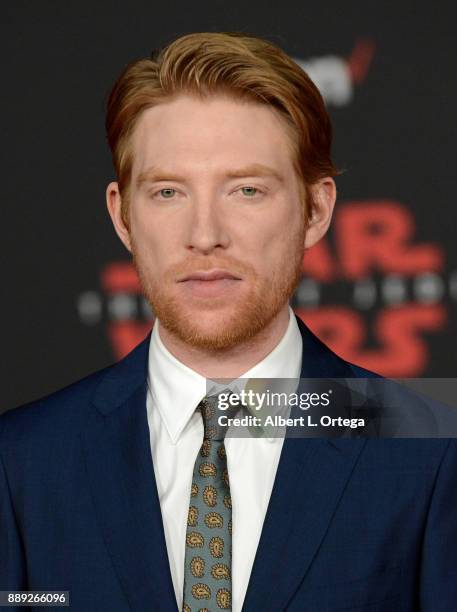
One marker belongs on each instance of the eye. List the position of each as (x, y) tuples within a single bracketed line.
[(166, 193), (250, 191)]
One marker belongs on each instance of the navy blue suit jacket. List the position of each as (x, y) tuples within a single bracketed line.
[(352, 524)]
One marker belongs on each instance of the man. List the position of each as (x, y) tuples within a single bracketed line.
[(110, 488)]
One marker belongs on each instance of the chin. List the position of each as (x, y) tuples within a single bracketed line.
[(217, 330), (211, 339), (210, 322)]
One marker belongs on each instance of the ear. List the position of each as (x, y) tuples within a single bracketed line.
[(324, 196), (114, 204)]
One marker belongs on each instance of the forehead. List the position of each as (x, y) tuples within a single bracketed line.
[(207, 134)]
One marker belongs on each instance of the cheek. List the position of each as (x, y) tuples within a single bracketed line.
[(150, 238), (264, 249), (277, 233)]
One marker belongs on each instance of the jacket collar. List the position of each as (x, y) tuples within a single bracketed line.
[(122, 379)]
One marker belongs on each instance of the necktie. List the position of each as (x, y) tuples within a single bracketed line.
[(208, 557)]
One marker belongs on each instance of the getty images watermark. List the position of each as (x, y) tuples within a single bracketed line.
[(272, 400), (336, 407)]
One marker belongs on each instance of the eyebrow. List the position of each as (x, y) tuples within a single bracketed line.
[(155, 174)]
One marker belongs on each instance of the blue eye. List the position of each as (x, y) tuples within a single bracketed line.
[(249, 191), (167, 193)]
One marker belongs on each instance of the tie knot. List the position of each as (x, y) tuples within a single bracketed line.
[(211, 412)]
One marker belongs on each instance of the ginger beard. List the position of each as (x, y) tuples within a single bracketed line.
[(216, 324)]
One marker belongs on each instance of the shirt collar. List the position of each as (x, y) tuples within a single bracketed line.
[(177, 389)]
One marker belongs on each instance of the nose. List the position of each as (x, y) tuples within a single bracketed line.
[(207, 228)]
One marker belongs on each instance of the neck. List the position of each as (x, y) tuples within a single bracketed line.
[(231, 362)]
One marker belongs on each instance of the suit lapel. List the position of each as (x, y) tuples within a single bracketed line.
[(121, 477), (311, 477), (310, 480)]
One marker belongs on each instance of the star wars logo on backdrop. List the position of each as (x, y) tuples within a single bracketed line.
[(372, 294), (368, 291)]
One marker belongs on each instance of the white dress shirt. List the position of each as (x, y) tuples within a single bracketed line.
[(176, 434)]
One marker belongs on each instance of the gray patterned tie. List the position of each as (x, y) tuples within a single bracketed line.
[(208, 558)]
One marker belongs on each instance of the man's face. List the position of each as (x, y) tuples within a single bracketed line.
[(216, 222)]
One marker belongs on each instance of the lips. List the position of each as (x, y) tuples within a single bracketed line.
[(209, 275), (210, 285)]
